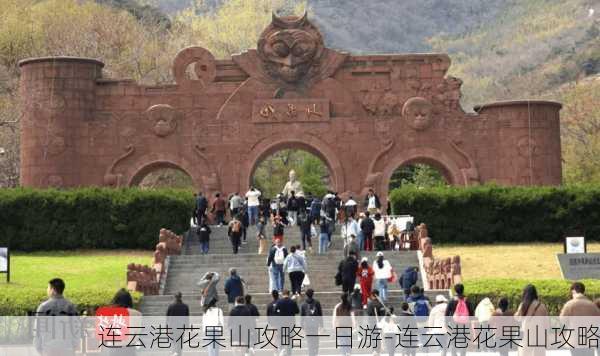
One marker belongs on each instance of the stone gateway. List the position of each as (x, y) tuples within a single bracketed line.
[(364, 116)]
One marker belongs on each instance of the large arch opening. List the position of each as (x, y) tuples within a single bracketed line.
[(271, 172), (162, 175), (417, 175), (437, 164)]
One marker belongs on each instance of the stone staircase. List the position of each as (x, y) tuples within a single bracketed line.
[(185, 271)]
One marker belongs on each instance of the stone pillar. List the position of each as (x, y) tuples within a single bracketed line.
[(528, 149), (58, 96)]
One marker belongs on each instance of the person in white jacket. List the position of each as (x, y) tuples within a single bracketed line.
[(383, 272), (379, 232), (212, 319)]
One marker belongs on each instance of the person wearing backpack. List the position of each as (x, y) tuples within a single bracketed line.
[(278, 228), (315, 210), (420, 304), (367, 226), (313, 320), (408, 279), (460, 309), (275, 262), (292, 208), (234, 232), (203, 232)]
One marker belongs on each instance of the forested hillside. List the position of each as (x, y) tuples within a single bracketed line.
[(501, 49)]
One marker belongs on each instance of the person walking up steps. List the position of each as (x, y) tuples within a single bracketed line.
[(208, 287), (278, 229), (365, 277), (178, 317), (212, 319), (367, 226), (295, 265), (253, 196), (347, 271), (219, 208), (203, 232), (234, 232), (313, 320), (323, 237), (383, 272), (261, 235), (292, 208), (275, 263), (234, 287)]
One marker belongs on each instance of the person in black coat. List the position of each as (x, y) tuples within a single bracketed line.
[(177, 317), (201, 206), (347, 269), (239, 323), (203, 232), (254, 313), (313, 319)]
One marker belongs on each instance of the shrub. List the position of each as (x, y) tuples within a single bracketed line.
[(490, 214), (553, 293), (90, 218)]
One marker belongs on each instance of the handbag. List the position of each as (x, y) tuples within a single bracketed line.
[(306, 280), (394, 277)]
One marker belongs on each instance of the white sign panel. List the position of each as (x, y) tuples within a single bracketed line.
[(3, 259), (575, 244)]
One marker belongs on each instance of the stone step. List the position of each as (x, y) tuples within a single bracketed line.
[(157, 305)]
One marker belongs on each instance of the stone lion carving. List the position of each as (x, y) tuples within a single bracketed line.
[(289, 46), (417, 112)]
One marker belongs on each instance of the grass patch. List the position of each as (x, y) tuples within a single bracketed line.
[(92, 277), (531, 261)]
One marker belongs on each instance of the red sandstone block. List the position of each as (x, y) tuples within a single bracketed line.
[(132, 90), (426, 71)]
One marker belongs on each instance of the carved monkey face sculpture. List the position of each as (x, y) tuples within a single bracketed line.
[(289, 46), (417, 112)]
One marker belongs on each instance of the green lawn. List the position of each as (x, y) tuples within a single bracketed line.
[(92, 277), (531, 261)]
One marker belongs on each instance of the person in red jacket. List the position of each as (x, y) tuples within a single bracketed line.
[(365, 277)]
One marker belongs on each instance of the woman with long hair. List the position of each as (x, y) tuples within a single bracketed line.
[(383, 272), (343, 318), (532, 314), (123, 299), (212, 318)]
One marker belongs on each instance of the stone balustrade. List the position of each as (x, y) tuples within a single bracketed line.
[(146, 279), (442, 273)]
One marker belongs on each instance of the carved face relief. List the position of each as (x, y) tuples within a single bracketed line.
[(164, 118), (417, 112), (289, 46), (523, 147)]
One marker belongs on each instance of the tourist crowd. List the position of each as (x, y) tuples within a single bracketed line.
[(316, 218), (430, 314)]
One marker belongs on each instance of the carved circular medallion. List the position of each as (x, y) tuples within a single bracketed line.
[(57, 145), (164, 118), (205, 68), (417, 112)]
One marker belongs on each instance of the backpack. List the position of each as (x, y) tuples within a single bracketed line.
[(278, 230), (236, 226), (421, 308), (279, 256), (461, 313)]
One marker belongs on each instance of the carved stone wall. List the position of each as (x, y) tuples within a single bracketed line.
[(363, 115)]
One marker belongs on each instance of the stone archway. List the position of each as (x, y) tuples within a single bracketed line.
[(145, 165), (435, 158), (307, 143)]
